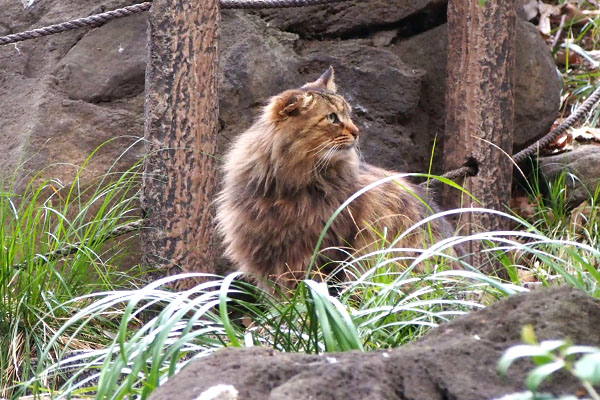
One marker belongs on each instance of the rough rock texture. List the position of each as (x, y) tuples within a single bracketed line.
[(582, 166), (64, 95), (357, 18), (455, 361), (536, 80)]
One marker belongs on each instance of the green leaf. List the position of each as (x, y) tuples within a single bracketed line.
[(339, 331), (581, 350), (538, 375), (551, 345), (223, 291), (520, 351), (588, 368), (528, 334)]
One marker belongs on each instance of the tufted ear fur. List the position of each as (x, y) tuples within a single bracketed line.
[(325, 81), (290, 103)]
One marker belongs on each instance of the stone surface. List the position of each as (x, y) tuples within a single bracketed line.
[(537, 83), (356, 18), (582, 168), (455, 361), (64, 95)]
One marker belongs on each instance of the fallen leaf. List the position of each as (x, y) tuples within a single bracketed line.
[(586, 134), (526, 275), (546, 12), (531, 9), (573, 13), (561, 144), (522, 206), (561, 58)]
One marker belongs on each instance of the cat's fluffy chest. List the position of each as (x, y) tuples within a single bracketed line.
[(283, 229)]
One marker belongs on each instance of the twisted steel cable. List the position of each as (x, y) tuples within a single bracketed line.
[(562, 128), (534, 148), (100, 19), (92, 20)]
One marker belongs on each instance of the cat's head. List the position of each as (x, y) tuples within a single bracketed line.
[(314, 119)]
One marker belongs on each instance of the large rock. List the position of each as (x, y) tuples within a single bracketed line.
[(455, 361), (537, 83), (356, 18), (581, 167), (64, 95)]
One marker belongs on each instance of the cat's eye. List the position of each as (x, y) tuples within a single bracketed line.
[(333, 118)]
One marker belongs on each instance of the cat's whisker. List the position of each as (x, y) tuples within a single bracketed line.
[(328, 156), (319, 147), (360, 154), (323, 161), (320, 162)]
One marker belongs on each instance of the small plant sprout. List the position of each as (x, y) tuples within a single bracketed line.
[(550, 356)]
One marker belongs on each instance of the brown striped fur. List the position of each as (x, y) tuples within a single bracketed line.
[(286, 175)]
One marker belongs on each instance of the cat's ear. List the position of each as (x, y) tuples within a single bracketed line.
[(325, 81), (290, 103)]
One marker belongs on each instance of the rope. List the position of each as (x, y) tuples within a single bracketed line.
[(93, 20), (100, 19), (559, 130), (585, 108), (73, 248)]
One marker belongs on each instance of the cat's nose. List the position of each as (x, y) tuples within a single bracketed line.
[(353, 129)]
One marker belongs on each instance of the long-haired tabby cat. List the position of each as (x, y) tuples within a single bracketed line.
[(286, 175)]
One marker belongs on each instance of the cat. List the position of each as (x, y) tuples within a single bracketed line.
[(287, 174)]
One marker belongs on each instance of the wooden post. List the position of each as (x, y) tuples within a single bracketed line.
[(479, 108), (181, 131)]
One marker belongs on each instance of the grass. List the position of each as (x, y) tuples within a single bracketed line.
[(581, 38), (196, 322), (143, 336), (36, 288), (159, 332)]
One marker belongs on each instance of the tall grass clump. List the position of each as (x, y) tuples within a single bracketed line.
[(159, 331), (568, 235), (390, 297), (381, 305), (53, 249)]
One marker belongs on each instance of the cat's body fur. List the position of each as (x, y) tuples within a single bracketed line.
[(285, 177)]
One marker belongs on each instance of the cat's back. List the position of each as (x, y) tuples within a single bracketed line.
[(396, 204)]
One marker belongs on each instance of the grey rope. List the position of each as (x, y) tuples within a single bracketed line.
[(73, 248), (562, 128), (469, 170), (93, 20), (100, 19)]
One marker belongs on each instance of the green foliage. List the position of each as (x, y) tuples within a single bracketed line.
[(566, 240), (550, 356), (579, 79), (37, 284), (389, 297), (160, 332)]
